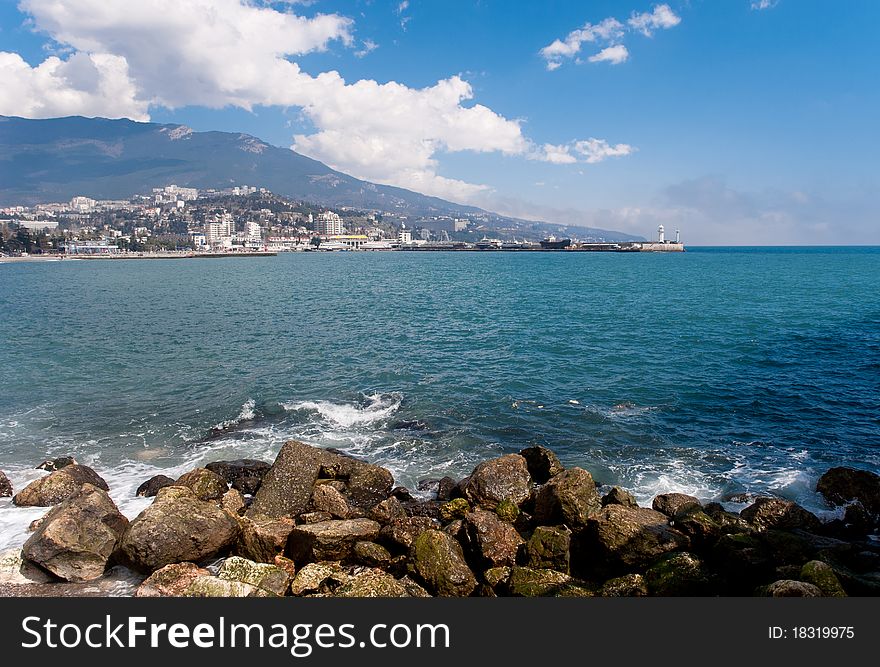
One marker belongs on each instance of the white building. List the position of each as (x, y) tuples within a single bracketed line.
[(459, 225), (405, 235), (82, 204), (220, 232), (329, 224)]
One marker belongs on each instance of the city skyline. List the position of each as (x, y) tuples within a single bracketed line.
[(737, 121)]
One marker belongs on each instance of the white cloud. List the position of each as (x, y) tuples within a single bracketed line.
[(764, 4), (613, 54), (661, 17), (610, 33), (368, 47), (590, 151), (128, 57)]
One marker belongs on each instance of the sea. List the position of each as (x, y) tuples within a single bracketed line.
[(724, 373)]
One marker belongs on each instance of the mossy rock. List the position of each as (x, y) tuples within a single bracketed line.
[(627, 586), (548, 548), (507, 511), (454, 509), (681, 574), (528, 582), (262, 575), (821, 575)]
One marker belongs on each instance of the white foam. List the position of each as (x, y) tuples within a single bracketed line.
[(377, 407)]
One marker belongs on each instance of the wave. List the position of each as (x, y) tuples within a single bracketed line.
[(247, 413), (372, 409)]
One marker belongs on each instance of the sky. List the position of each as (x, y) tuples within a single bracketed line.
[(737, 121)]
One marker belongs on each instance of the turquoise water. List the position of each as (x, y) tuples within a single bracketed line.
[(714, 372)]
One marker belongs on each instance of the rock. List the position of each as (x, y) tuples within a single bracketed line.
[(548, 549), (504, 478), (372, 583), (263, 540), (672, 504), (744, 560), (286, 564), (542, 464), (311, 577), (454, 509), (627, 586), (728, 522), (329, 540), (788, 588), (245, 475), (700, 528), (822, 576), (215, 587), (491, 541), (401, 493), (497, 577), (170, 581), (403, 532), (51, 465), (782, 514), (314, 517), (206, 485), (619, 496), (530, 583), (570, 498), (325, 498), (287, 486), (177, 527), (5, 486), (842, 485), (370, 553), (428, 508), (438, 561), (15, 570), (623, 538), (387, 511), (262, 575), (680, 574), (445, 488), (58, 486), (233, 502), (152, 486), (507, 511), (76, 539)]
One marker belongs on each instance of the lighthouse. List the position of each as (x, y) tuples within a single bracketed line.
[(661, 237), (677, 236)]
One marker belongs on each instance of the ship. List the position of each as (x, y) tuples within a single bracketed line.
[(553, 243), (488, 244)]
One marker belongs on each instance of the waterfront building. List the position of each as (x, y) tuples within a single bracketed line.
[(329, 224), (405, 235)]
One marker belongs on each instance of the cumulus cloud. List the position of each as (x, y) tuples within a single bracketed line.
[(613, 54), (609, 33), (128, 57), (589, 150)]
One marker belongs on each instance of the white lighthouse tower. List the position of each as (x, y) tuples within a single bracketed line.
[(661, 236), (677, 236)]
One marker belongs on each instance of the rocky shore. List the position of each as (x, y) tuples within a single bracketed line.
[(319, 523)]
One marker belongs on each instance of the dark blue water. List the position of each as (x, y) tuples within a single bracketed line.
[(714, 372)]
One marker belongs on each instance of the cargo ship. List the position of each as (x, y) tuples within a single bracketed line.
[(553, 243)]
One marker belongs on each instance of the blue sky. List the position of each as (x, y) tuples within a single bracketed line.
[(739, 121)]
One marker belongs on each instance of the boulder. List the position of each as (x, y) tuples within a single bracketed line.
[(244, 475), (444, 488), (326, 498), (372, 554), (844, 485), (745, 561), (5, 486), (454, 509), (287, 487), (206, 485), (428, 508), (789, 588), (311, 578), (728, 522), (372, 583), (627, 586), (51, 465), (548, 549), (58, 486), (672, 504), (822, 576), (76, 539), (402, 533), (507, 511), (570, 498), (262, 539), (177, 527), (497, 577), (314, 517), (16, 570), (438, 561), (623, 538), (329, 540), (679, 575), (531, 583), (270, 578), (387, 511), (491, 542), (542, 463), (702, 530), (781, 514), (215, 587), (152, 486), (233, 502), (170, 581), (504, 478), (619, 496)]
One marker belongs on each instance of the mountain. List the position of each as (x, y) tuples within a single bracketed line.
[(55, 159)]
